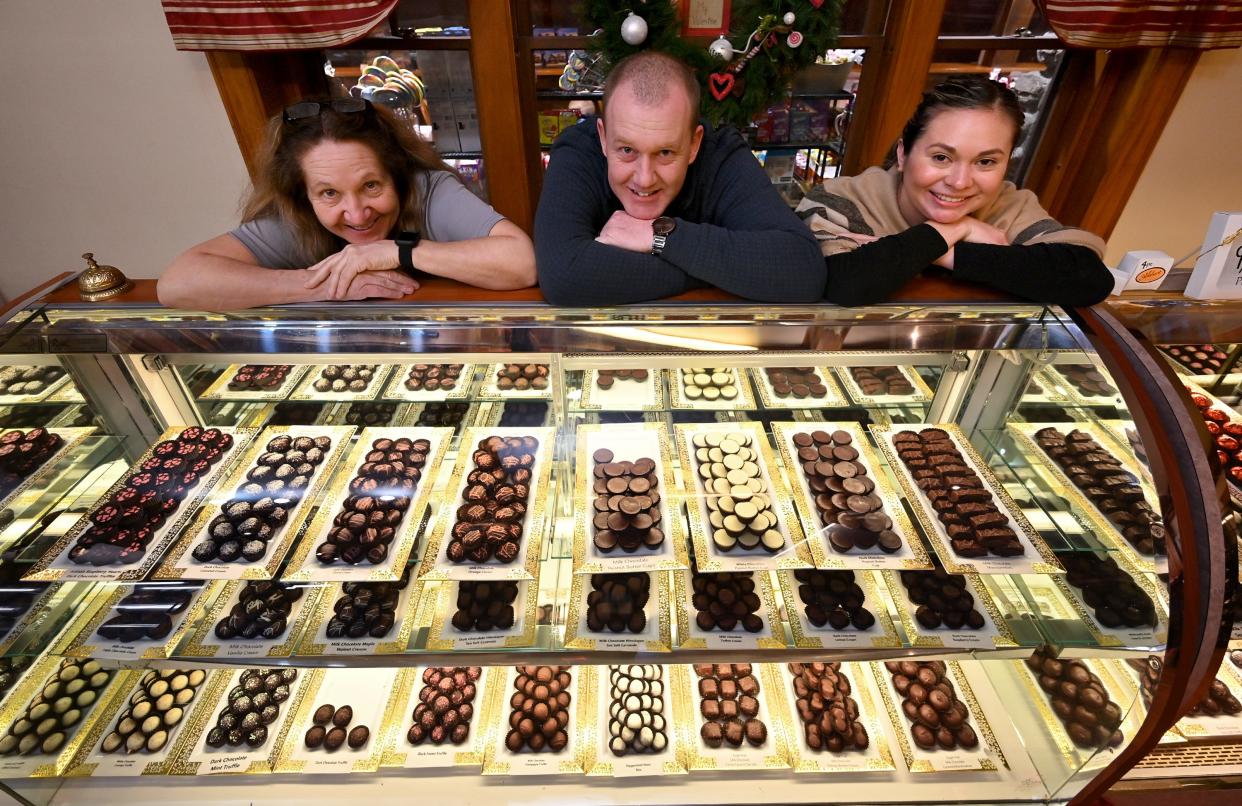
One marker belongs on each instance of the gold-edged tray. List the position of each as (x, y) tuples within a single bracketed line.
[(598, 759), (498, 760), (398, 752), (922, 392), (203, 643), (832, 398), (306, 389), (1054, 375), (219, 389), (698, 757), (1038, 558), (445, 637), (689, 636), (657, 636), (1127, 637), (808, 636), (40, 396), (71, 439), (995, 633), (315, 640), (79, 638), (488, 390), (744, 400), (1075, 758), (35, 613), (625, 395), (395, 390), (367, 692)]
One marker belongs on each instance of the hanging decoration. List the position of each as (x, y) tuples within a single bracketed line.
[(778, 38)]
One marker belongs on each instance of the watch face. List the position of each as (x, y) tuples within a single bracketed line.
[(662, 225)]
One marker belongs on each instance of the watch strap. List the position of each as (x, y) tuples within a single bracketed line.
[(406, 241)]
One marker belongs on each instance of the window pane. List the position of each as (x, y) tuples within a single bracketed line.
[(991, 18)]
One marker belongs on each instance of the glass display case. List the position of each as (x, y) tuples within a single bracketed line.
[(732, 553)]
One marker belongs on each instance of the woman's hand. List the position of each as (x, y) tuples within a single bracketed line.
[(980, 232), (385, 284), (968, 229), (340, 269)]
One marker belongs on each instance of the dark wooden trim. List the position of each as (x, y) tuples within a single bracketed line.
[(892, 81), (17, 303), (999, 42)]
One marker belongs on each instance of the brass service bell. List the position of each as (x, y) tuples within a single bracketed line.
[(101, 282)]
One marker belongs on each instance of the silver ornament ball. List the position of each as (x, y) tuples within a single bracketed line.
[(789, 18), (634, 29), (721, 49)]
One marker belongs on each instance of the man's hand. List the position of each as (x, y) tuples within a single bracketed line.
[(340, 270), (627, 232), (383, 284)]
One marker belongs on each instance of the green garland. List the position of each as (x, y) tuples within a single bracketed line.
[(756, 82)]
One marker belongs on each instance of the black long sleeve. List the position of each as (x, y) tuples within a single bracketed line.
[(1047, 273)]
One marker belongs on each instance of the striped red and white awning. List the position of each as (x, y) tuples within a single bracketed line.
[(1144, 23), (253, 25)]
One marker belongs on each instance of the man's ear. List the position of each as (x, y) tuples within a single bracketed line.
[(696, 140), (901, 155), (603, 141)]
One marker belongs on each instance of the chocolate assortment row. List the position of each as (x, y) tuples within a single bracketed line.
[(345, 377), (636, 721), (154, 711), (729, 705), (1086, 380), (725, 601), (886, 380), (146, 613), (366, 609), (445, 709), (523, 414), (1115, 491), (11, 669), (833, 598), (617, 602), (259, 508), (521, 377), (379, 496), (938, 719), (124, 523), (1218, 701), (975, 525), (1111, 593), (1201, 359), (708, 383), (28, 380), (259, 377), (250, 707), (24, 452), (68, 694), (796, 382), (16, 597), (738, 498), (443, 413), (485, 606), (295, 412), (627, 495), (330, 729), (494, 500), (261, 613), (942, 600), (370, 412), (605, 378), (1226, 436), (1079, 700), (829, 715), (539, 709), (844, 495), (433, 377)]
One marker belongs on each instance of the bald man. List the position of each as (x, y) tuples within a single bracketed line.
[(646, 202)]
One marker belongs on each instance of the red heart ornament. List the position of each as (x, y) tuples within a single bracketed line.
[(720, 84), (817, 3)]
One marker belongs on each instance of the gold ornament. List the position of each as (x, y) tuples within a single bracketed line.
[(101, 282)]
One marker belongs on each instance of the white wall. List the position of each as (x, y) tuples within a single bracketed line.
[(1196, 168), (111, 141)]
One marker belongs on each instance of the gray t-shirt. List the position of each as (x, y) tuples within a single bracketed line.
[(451, 213)]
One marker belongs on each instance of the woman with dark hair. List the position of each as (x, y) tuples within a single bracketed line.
[(945, 202), (348, 203)]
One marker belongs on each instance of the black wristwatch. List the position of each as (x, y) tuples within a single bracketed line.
[(660, 230), (406, 241)]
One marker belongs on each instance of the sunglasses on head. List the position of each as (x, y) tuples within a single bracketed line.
[(313, 109)]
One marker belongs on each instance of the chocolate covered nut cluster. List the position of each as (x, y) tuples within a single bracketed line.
[(379, 496), (887, 380), (1086, 379), (616, 602), (974, 524), (1218, 700), (829, 714), (146, 613), (11, 669), (627, 515), (489, 520), (636, 722), (49, 718), (432, 377), (798, 382), (345, 378), (1226, 436), (329, 729), (1101, 478), (845, 500), (708, 383), (938, 717), (725, 601), (605, 378), (446, 705), (27, 380), (521, 377), (251, 705), (1115, 597), (833, 598), (262, 611), (443, 413), (259, 508), (154, 711), (523, 413), (370, 412), (259, 377), (539, 715), (942, 599), (22, 453), (366, 609), (738, 499), (729, 705), (485, 606), (1202, 359), (1078, 699), (125, 522)]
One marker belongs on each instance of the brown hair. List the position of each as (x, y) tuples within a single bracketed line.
[(648, 74), (968, 92), (280, 187)]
